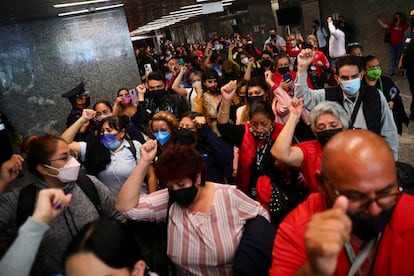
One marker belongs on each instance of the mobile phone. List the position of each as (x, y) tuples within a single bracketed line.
[(134, 95), (287, 77), (148, 68)]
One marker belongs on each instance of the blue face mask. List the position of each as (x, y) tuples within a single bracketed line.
[(110, 141), (162, 137), (351, 87)]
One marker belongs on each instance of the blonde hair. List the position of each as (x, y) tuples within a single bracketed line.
[(167, 117)]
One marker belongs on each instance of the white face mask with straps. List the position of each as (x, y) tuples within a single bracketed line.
[(67, 173)]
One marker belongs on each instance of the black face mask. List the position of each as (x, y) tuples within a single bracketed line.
[(87, 101), (323, 136), (266, 63), (395, 20), (283, 70), (412, 21), (252, 99), (367, 229), (273, 36), (184, 196), (157, 95), (185, 137)]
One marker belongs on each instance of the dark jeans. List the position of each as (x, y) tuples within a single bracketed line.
[(410, 78), (396, 51)]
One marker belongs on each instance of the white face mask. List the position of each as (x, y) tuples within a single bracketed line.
[(245, 60), (67, 173)]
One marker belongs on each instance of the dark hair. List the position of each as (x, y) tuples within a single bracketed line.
[(110, 241), (103, 102), (258, 81), (156, 76), (211, 74), (266, 52), (367, 59), (97, 155), (179, 162), (348, 60), (119, 90), (41, 149), (353, 46), (262, 107), (316, 21)]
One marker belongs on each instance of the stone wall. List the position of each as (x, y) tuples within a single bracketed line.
[(40, 60)]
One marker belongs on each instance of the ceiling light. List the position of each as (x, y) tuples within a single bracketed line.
[(90, 10), (79, 3)]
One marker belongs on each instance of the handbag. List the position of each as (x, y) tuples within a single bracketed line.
[(278, 201), (387, 36)]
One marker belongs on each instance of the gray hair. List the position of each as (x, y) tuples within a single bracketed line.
[(329, 107)]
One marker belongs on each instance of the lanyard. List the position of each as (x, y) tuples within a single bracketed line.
[(359, 259), (260, 154)]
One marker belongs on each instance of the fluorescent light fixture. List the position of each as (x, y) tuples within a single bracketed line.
[(109, 7), (227, 1), (199, 1), (191, 6), (79, 3), (227, 4), (87, 10), (185, 11)]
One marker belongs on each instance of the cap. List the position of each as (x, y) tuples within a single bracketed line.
[(75, 92)]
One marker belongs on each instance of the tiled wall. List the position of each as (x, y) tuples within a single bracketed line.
[(40, 60)]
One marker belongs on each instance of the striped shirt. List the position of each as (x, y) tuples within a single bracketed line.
[(202, 243)]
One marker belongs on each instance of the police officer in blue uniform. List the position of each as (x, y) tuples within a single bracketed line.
[(79, 99)]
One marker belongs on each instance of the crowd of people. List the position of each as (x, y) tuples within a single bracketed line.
[(192, 171)]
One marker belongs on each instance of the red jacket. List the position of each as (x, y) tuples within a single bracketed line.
[(395, 252), (247, 153)]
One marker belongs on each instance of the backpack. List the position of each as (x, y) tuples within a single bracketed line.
[(27, 198)]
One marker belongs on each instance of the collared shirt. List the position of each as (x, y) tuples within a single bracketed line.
[(121, 165)]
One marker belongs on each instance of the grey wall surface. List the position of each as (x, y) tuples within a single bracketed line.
[(366, 30), (40, 60)]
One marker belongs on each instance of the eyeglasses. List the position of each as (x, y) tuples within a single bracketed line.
[(385, 199), (66, 156)]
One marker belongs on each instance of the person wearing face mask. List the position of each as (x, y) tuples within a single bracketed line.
[(360, 222), (275, 40), (367, 107), (327, 119), (217, 154), (396, 28), (258, 174), (208, 99), (256, 90), (53, 165), (155, 97), (406, 62), (123, 104), (373, 77), (79, 99), (188, 94), (211, 242), (111, 154)]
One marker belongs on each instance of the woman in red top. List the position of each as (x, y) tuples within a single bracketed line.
[(327, 119), (397, 29)]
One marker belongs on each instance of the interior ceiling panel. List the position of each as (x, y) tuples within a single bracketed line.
[(138, 12)]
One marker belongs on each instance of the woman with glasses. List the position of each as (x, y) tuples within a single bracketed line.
[(373, 77), (110, 155), (327, 119), (53, 165)]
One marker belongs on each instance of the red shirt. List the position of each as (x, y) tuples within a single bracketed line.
[(312, 156), (397, 33), (395, 252)]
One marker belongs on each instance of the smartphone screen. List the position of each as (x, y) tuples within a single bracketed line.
[(148, 68), (134, 96)]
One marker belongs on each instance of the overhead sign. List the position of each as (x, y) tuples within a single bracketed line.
[(212, 7)]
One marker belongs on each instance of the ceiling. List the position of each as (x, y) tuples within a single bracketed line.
[(138, 12)]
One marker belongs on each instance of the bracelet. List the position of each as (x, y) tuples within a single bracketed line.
[(221, 111)]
